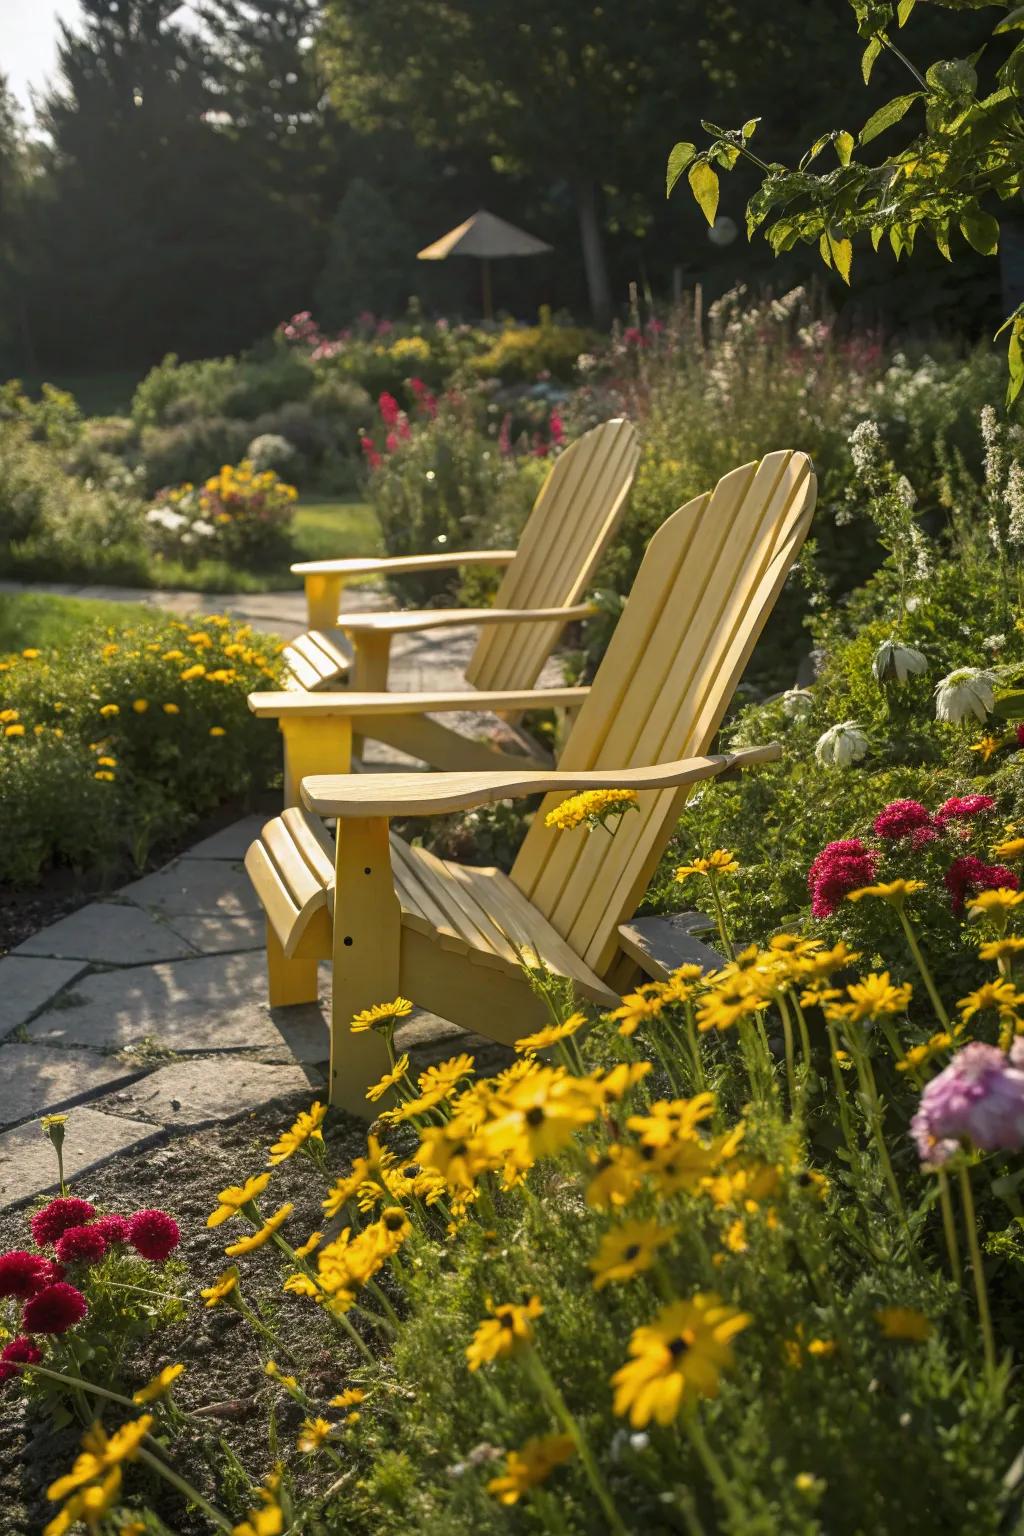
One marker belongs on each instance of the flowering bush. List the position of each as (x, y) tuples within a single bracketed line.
[(242, 513), (713, 1258), (122, 739)]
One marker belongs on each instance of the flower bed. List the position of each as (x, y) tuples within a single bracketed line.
[(118, 741)]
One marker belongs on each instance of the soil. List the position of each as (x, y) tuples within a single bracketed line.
[(224, 1381)]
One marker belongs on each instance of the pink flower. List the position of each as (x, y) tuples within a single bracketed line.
[(18, 1352), (54, 1219), (154, 1234), (114, 1229), (900, 818), (24, 1275), (963, 807), (839, 868), (505, 436), (1020, 735), (81, 1245), (54, 1310), (391, 442), (389, 408), (370, 453), (978, 1098), (969, 875), (556, 429)]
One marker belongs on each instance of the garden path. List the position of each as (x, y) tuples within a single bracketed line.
[(146, 1011)]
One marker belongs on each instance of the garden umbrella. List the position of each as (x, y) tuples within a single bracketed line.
[(488, 238)]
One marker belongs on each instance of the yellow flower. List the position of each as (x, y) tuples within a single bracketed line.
[(530, 1466), (381, 1015), (309, 1246), (221, 1288), (273, 1370), (986, 747), (14, 730), (231, 1200), (551, 1034), (348, 1399), (108, 710), (998, 903), (918, 1055), (7, 715), (592, 806), (1000, 995), (263, 1234), (306, 1128), (88, 1504), (647, 1002), (313, 1434), (160, 1385), (31, 654), (101, 1452), (105, 776), (506, 1332), (895, 892), (728, 1003), (171, 709), (873, 997), (904, 1323), (389, 1079), (627, 1250), (1010, 848), (677, 1359), (140, 706), (615, 1179), (217, 730), (721, 862), (107, 762), (173, 656), (1001, 949), (190, 673), (447, 1074)]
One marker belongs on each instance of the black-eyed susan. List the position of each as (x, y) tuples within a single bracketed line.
[(530, 1466), (224, 1288), (551, 1034), (312, 1434), (905, 1324), (677, 1359), (263, 1234), (160, 1385), (389, 1080), (306, 1128), (236, 1198), (382, 1016), (507, 1331), (627, 1250), (616, 1176)]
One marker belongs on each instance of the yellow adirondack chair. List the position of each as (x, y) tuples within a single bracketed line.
[(577, 511), (396, 920)]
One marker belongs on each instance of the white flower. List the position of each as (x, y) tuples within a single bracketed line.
[(797, 703), (163, 517), (841, 745), (967, 691), (894, 662)]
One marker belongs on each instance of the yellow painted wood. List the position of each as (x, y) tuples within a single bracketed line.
[(412, 621), (366, 957), (391, 565), (311, 745), (431, 742), (371, 662), (323, 596), (289, 981), (277, 705)]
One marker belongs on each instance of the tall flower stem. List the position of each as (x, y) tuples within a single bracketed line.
[(787, 1036), (549, 1391), (923, 969), (693, 1040), (714, 1469), (186, 1489), (841, 1096), (949, 1228), (723, 932), (980, 1288), (869, 1090)]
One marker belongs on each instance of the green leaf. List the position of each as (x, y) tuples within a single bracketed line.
[(888, 115), (871, 53), (844, 147), (877, 231), (942, 240), (824, 250), (1015, 359), (749, 128), (704, 186), (1010, 23), (980, 230), (842, 255), (678, 160), (904, 11)]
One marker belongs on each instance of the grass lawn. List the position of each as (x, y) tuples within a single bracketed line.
[(330, 530), (45, 622)]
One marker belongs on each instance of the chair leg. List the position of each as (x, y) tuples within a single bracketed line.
[(288, 981), (366, 957)]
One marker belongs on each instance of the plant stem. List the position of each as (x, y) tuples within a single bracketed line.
[(714, 1469), (563, 1413), (949, 1228), (925, 973), (980, 1288), (192, 1494), (869, 1089), (723, 932), (787, 1035), (85, 1386)]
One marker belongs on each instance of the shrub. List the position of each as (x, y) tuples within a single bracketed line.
[(370, 262), (240, 515), (119, 742), (269, 451), (191, 451), (174, 392), (526, 352)]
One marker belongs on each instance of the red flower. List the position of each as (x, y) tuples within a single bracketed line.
[(1020, 735), (19, 1352), (154, 1234), (963, 807), (54, 1219), (370, 453), (54, 1310), (839, 868), (389, 408), (26, 1274), (81, 1245), (969, 875), (900, 818), (113, 1228)]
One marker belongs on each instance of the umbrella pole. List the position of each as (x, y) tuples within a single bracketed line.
[(488, 301)]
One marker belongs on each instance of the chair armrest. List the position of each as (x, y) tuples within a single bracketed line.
[(390, 565), (362, 796), (455, 618), (278, 706)]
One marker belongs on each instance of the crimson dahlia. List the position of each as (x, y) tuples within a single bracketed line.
[(114, 1229), (839, 868), (18, 1352), (26, 1274), (54, 1310), (81, 1245), (54, 1219), (967, 876), (900, 818), (154, 1234), (963, 807)]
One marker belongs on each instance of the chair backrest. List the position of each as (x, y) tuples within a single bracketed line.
[(708, 582), (573, 519)]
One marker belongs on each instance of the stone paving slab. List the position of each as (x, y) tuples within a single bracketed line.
[(28, 1166), (213, 935), (28, 984), (191, 1094), (231, 842), (213, 1003), (107, 934), (36, 1079), (189, 887)]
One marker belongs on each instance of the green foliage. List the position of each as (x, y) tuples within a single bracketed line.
[(370, 261), (165, 702), (523, 354)]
